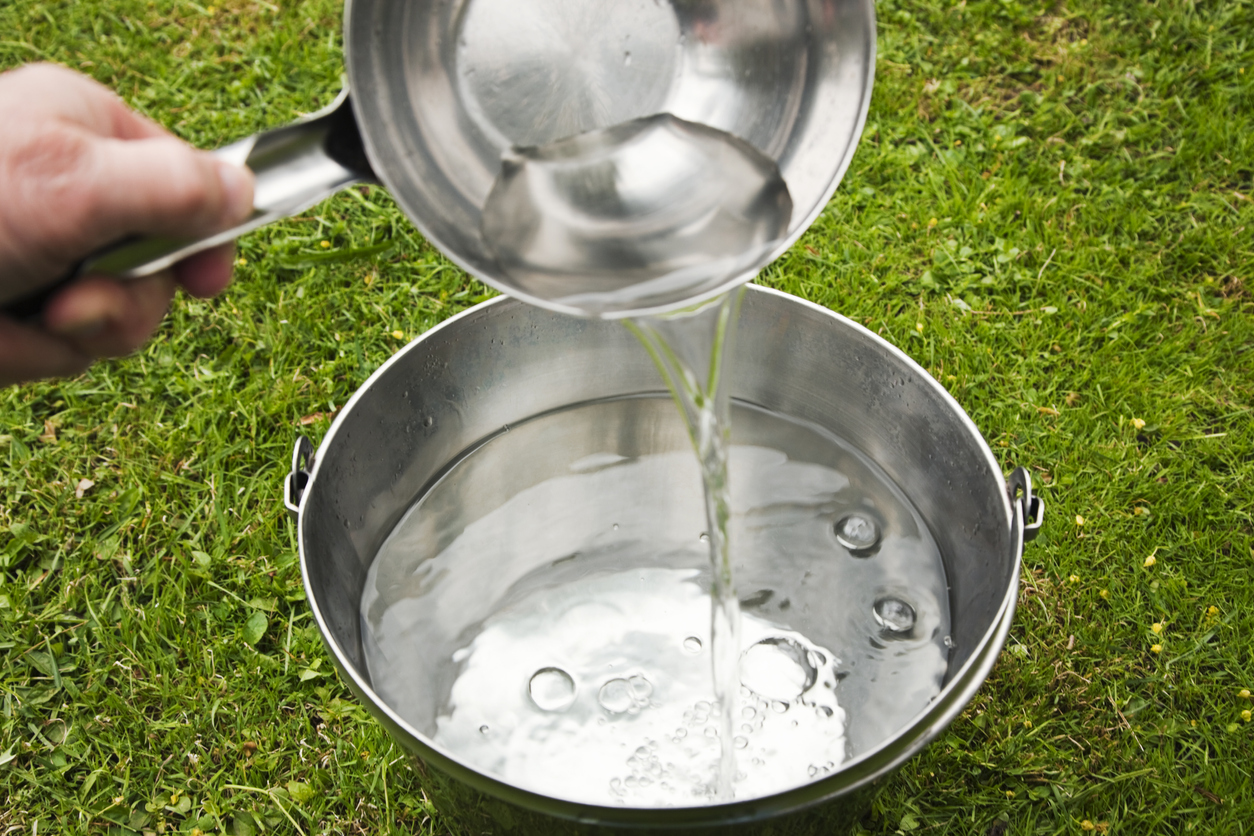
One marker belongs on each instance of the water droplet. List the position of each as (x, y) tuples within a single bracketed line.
[(692, 644), (704, 538), (894, 615), (777, 669), (428, 421), (859, 534), (615, 526), (949, 642), (812, 770), (627, 59), (551, 689), (740, 742), (748, 712), (779, 706), (483, 729)]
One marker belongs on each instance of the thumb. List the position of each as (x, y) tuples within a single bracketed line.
[(79, 192), (161, 186)]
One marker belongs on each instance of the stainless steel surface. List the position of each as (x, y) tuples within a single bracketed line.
[(502, 362), (635, 215), (444, 89), (295, 167)]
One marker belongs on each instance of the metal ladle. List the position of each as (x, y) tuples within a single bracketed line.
[(718, 130)]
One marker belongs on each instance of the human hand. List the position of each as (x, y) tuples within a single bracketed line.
[(79, 171)]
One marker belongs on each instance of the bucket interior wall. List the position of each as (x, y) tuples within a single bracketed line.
[(505, 362)]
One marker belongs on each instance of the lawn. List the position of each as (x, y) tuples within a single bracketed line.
[(1050, 210)]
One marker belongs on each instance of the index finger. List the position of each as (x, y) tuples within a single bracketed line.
[(75, 98)]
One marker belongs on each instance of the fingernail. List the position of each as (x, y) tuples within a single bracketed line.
[(237, 183)]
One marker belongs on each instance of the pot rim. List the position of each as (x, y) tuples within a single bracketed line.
[(865, 768)]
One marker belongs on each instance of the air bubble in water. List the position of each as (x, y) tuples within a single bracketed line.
[(858, 533), (551, 689), (692, 644), (740, 742), (483, 729), (894, 615), (777, 669), (641, 688), (621, 695), (615, 696)]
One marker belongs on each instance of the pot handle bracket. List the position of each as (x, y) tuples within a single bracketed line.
[(1031, 506), (298, 478)]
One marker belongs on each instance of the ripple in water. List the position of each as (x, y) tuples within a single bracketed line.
[(777, 669)]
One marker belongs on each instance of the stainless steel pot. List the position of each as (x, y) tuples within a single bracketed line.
[(444, 90), (503, 362)]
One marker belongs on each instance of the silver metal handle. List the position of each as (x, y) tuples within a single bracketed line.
[(295, 167), (1029, 505), (298, 477)]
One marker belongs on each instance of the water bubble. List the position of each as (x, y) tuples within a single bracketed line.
[(894, 615), (641, 688), (859, 534), (551, 689), (812, 770), (949, 642), (740, 742), (428, 421), (615, 696), (779, 706), (692, 644), (615, 526), (483, 729), (777, 669), (704, 538), (621, 695), (748, 712)]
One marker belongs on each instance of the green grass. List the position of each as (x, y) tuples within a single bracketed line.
[(1050, 210)]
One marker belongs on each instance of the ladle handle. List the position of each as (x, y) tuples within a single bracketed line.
[(295, 167)]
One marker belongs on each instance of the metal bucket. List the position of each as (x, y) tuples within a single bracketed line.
[(503, 362)]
